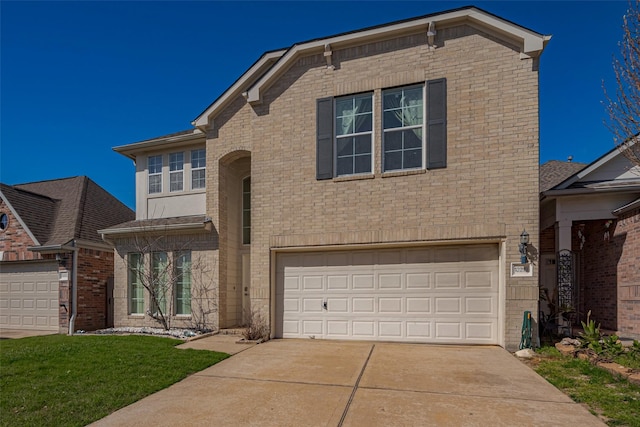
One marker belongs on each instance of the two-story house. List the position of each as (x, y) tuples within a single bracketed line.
[(369, 185)]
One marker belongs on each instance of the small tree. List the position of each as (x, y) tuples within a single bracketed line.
[(176, 280), (623, 107)]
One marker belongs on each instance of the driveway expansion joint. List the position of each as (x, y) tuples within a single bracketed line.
[(355, 387), (266, 380)]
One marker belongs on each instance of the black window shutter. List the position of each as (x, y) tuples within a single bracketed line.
[(324, 139), (437, 124)]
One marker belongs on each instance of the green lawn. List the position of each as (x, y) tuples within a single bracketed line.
[(59, 380), (615, 400)]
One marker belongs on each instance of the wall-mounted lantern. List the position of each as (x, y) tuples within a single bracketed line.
[(522, 247)]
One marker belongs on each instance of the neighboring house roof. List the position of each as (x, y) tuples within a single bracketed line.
[(58, 211), (554, 172)]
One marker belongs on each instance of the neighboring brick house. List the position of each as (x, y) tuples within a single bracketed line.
[(49, 239), (368, 185), (590, 241)]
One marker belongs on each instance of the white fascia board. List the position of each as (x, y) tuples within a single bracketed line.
[(153, 228), (20, 221), (626, 208), (251, 74), (592, 167), (532, 43), (131, 150)]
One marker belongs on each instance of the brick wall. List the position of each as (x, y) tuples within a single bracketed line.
[(15, 240), (491, 180), (597, 272), (627, 231), (95, 268), (548, 240)]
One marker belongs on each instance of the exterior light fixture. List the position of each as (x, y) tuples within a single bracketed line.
[(522, 247)]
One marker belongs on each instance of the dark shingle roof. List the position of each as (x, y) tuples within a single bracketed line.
[(58, 211), (554, 172)]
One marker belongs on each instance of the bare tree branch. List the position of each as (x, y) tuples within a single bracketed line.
[(623, 107)]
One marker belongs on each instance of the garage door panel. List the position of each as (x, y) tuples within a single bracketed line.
[(338, 328), (447, 280), (390, 305), (313, 327), (479, 305), (338, 305), (363, 282), (418, 305), (480, 331), (364, 329), (449, 330), (363, 305), (430, 294), (390, 281), (418, 281), (338, 282)]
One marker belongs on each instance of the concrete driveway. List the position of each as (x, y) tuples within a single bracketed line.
[(332, 383)]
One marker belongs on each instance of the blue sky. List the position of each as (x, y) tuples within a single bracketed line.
[(78, 78)]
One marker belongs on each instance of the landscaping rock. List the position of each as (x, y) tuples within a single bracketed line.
[(571, 341), (566, 350), (526, 353)]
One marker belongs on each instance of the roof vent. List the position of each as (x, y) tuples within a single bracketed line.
[(569, 159)]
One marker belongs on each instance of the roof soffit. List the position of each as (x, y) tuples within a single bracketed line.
[(190, 137)]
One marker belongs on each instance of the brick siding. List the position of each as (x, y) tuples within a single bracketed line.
[(627, 232)]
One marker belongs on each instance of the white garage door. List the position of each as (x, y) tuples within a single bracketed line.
[(436, 294), (29, 295)]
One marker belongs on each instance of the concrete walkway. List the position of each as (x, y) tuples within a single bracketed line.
[(334, 383)]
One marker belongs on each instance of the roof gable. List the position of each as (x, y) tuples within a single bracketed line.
[(33, 211), (273, 64), (612, 169)]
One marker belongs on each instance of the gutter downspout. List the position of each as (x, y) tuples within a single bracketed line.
[(74, 288)]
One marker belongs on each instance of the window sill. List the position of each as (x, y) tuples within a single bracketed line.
[(353, 177), (136, 316), (403, 173)]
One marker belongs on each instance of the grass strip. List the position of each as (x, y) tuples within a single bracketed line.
[(75, 380)]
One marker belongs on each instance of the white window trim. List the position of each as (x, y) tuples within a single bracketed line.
[(160, 174), (372, 133), (423, 166), (192, 169), (177, 171)]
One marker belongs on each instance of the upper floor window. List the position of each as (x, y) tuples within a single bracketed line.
[(353, 130), (155, 174), (414, 131), (198, 164), (403, 112), (176, 174)]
